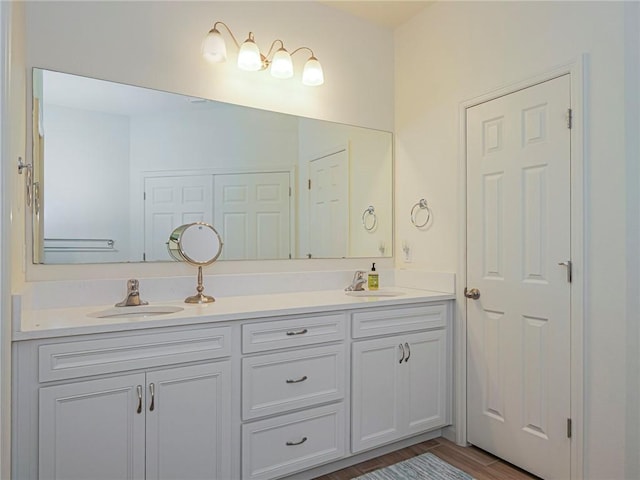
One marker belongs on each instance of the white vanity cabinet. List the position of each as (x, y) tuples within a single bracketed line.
[(400, 383), (293, 399), (165, 421), (170, 421), (259, 398)]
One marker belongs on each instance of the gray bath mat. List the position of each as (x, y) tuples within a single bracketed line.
[(424, 467)]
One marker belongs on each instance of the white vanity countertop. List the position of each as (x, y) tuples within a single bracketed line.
[(58, 322)]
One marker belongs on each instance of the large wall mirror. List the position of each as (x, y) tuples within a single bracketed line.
[(117, 168)]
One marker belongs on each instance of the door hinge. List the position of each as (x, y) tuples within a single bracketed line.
[(144, 195), (569, 430), (569, 118), (289, 256), (289, 191), (309, 184), (144, 257)]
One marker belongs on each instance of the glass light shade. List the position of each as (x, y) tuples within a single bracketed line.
[(282, 66), (312, 74), (214, 49), (249, 56)]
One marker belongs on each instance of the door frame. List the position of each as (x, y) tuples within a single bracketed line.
[(577, 70)]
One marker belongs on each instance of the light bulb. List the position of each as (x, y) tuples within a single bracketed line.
[(249, 56), (282, 66), (214, 48), (312, 74)]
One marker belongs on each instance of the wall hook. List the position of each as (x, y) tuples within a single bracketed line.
[(28, 179), (22, 166)]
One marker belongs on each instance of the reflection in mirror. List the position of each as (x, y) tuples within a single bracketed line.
[(118, 168), (197, 244)]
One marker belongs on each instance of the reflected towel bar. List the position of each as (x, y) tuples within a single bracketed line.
[(79, 245)]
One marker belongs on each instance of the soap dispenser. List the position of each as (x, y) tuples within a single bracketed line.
[(372, 280)]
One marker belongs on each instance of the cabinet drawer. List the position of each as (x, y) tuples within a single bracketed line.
[(279, 382), (94, 357), (283, 445), (399, 320), (263, 336)]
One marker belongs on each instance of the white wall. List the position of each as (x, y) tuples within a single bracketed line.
[(468, 49), (157, 45), (209, 138), (632, 133), (5, 324), (12, 120), (88, 161)]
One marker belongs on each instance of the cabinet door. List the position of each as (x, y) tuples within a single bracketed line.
[(376, 392), (92, 430), (188, 422), (424, 402)]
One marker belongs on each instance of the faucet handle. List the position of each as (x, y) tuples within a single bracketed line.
[(133, 295), (358, 281), (133, 286)]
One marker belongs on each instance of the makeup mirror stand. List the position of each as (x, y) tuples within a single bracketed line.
[(197, 244), (200, 297)]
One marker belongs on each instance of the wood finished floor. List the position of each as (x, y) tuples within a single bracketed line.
[(477, 463)]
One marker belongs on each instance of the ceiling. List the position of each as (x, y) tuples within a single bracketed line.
[(388, 14)]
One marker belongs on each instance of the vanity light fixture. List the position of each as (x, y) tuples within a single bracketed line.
[(214, 49)]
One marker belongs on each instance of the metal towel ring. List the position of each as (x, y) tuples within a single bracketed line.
[(421, 205), (369, 212)]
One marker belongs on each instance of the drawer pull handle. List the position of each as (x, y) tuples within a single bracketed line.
[(406, 347), (291, 444), (139, 409), (152, 389), (301, 379), (401, 348), (299, 332)]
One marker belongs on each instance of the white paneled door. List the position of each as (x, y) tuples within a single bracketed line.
[(329, 205), (252, 214), (170, 202), (518, 237)]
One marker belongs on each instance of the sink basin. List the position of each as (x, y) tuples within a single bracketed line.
[(136, 312), (375, 293)]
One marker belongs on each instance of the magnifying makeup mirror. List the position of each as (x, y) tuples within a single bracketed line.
[(198, 244)]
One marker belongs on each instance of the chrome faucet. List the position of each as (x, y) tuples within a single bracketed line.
[(133, 295), (358, 282)]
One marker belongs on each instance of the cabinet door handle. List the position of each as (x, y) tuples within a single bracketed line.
[(152, 390), (301, 379), (402, 351), (139, 409), (299, 332), (406, 346), (290, 444)]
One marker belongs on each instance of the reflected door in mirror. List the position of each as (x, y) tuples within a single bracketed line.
[(252, 212), (329, 205), (170, 202)]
